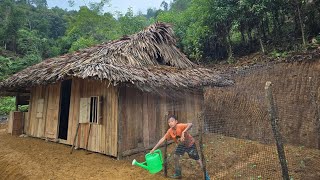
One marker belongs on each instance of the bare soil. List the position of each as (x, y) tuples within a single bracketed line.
[(226, 158)]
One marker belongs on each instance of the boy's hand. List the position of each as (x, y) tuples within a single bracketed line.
[(151, 151), (182, 137)]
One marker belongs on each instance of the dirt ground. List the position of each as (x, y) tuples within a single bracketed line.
[(226, 158)]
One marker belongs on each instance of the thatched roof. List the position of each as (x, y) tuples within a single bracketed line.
[(148, 60)]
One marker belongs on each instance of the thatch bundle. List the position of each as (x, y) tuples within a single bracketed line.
[(149, 60)]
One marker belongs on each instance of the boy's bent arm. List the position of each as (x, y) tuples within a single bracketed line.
[(158, 144), (189, 125)]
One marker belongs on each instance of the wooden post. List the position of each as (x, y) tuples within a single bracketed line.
[(200, 122), (17, 102), (274, 118), (88, 138), (165, 171), (121, 93), (75, 137), (314, 101)]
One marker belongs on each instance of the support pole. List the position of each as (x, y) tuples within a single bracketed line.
[(314, 100), (165, 165), (274, 118), (17, 101), (121, 97), (200, 122), (165, 170), (75, 137), (88, 138)]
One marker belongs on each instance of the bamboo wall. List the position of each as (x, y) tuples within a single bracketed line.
[(143, 117)]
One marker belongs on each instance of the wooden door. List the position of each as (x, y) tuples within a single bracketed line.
[(52, 111)]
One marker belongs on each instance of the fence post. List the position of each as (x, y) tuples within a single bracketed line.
[(165, 171), (314, 101), (200, 122), (274, 118), (165, 165)]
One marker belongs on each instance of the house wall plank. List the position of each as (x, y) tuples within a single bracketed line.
[(144, 117), (34, 125), (52, 113), (103, 136)]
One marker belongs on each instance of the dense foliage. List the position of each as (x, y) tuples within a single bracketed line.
[(207, 30), (7, 104), (220, 29)]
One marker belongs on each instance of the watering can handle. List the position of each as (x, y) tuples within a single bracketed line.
[(160, 154)]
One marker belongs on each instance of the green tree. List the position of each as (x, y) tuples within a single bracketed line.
[(298, 7), (252, 18), (39, 3), (130, 24), (179, 5), (98, 6), (57, 23), (29, 42), (14, 18), (88, 23), (4, 67), (82, 43), (164, 5), (151, 13), (24, 62)]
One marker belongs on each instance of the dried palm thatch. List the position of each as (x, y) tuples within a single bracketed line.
[(148, 60)]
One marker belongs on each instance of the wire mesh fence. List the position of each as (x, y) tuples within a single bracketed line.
[(243, 131)]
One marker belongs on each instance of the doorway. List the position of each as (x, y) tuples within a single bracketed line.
[(65, 94)]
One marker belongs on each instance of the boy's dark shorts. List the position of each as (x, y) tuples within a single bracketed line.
[(192, 151)]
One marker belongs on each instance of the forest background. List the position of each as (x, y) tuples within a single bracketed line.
[(207, 31)]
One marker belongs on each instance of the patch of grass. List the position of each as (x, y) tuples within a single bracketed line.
[(278, 54), (253, 165)]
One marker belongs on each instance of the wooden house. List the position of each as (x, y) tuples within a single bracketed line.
[(120, 92)]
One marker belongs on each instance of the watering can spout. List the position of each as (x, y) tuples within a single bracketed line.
[(135, 162)]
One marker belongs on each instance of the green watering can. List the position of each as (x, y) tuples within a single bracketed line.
[(153, 162)]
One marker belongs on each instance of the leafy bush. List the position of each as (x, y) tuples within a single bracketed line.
[(4, 67), (277, 54), (82, 43), (9, 66), (7, 104), (24, 108), (318, 39)]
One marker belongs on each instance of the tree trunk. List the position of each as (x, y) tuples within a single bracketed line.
[(242, 31), (243, 39), (230, 53), (267, 24), (261, 45), (250, 38), (260, 38), (301, 25), (276, 30), (263, 29)]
